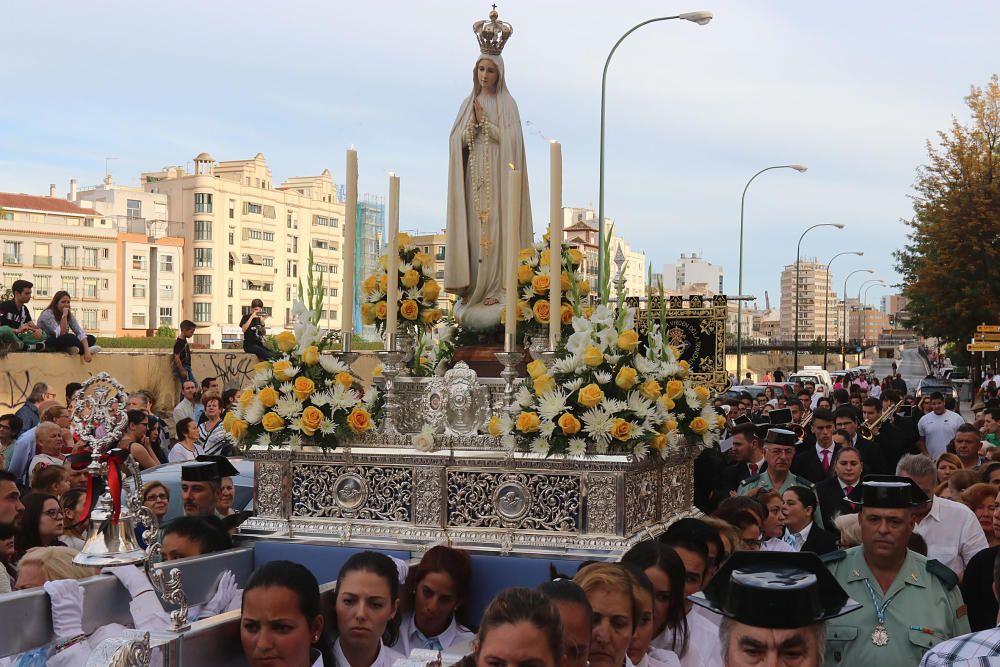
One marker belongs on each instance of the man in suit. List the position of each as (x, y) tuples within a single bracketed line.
[(848, 419), (814, 463), (844, 481), (887, 440), (747, 456), (799, 413)]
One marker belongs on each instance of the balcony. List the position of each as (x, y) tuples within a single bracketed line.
[(11, 260), (70, 263), (42, 260)]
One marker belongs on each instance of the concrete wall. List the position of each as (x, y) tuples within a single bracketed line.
[(135, 369), (758, 364)]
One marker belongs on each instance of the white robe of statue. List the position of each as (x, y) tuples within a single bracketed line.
[(479, 159)]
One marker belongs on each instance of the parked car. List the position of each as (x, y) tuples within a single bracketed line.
[(932, 383), (733, 393), (813, 374), (170, 475)]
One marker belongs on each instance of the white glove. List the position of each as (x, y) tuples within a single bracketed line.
[(66, 597), (132, 578), (225, 590)]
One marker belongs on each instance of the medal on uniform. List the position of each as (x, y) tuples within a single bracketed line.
[(880, 636)]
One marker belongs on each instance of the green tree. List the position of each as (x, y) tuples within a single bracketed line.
[(951, 263)]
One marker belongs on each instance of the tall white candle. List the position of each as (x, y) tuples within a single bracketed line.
[(513, 237), (392, 265), (555, 244), (348, 247)]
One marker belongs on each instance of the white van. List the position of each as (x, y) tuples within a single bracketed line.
[(816, 375)]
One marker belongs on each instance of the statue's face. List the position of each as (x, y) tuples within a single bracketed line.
[(487, 74)]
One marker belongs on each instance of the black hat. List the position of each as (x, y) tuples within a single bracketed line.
[(775, 589), (207, 468), (891, 491), (780, 436)]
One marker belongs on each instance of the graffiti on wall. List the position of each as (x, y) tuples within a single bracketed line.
[(16, 385)]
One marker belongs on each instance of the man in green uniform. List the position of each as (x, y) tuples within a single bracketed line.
[(910, 603), (779, 450)]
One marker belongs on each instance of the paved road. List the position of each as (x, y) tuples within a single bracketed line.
[(911, 365)]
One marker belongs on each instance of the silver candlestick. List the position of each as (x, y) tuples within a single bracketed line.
[(510, 359), (549, 358), (392, 366)]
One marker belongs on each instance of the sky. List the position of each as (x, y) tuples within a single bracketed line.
[(852, 89)]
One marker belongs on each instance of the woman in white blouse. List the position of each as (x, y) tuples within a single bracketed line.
[(436, 590), (367, 608)]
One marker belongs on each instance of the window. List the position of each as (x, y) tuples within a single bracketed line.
[(202, 312), (288, 292), (203, 284), (139, 262), (334, 222), (321, 220), (229, 313), (104, 314), (69, 285), (268, 236), (105, 253), (269, 261), (69, 256), (293, 244), (42, 285), (292, 269), (322, 245), (230, 290), (232, 209), (319, 268), (90, 288), (138, 318), (268, 211), (334, 268), (166, 317), (202, 258), (90, 258), (139, 290), (6, 215), (293, 223), (202, 230), (202, 202), (440, 253), (166, 263), (134, 208), (251, 208), (11, 252), (167, 291), (232, 238), (89, 319)]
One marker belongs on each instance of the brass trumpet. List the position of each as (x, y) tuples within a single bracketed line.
[(869, 431), (800, 429)]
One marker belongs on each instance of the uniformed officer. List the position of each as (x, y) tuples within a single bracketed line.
[(910, 603), (774, 606), (779, 450)]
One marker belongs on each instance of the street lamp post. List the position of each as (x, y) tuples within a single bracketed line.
[(826, 316), (701, 18), (843, 341), (739, 304), (863, 319), (798, 252)]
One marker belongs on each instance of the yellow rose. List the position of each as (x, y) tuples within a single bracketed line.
[(540, 283), (524, 273), (584, 287), (411, 278), (592, 356), (590, 396), (541, 311), (544, 259), (668, 403), (528, 422), (575, 257), (383, 282), (628, 340), (523, 311), (404, 239), (383, 261), (494, 427), (310, 356), (626, 378), (720, 422), (543, 384), (669, 425), (419, 259), (566, 314), (526, 254), (227, 421), (431, 290), (650, 389), (268, 397), (658, 441), (285, 341), (564, 281), (238, 429), (370, 283), (620, 429), (368, 313), (359, 420), (345, 379), (702, 392), (430, 315), (246, 397), (381, 310), (272, 422), (311, 419), (536, 369), (569, 424), (409, 309), (281, 370), (303, 387), (261, 366), (588, 311), (684, 365), (674, 389), (699, 425)]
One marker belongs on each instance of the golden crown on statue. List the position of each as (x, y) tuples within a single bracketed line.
[(492, 34)]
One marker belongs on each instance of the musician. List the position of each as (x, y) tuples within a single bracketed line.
[(833, 491), (848, 419), (800, 415), (814, 463), (887, 437)]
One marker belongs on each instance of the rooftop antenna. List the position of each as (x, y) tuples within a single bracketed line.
[(106, 160)]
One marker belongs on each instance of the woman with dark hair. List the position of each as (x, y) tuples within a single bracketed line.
[(213, 438), (846, 470), (434, 594), (367, 611), (187, 438), (640, 652), (824, 403), (254, 332), (136, 440), (62, 331), (41, 524), (281, 622), (666, 573), (74, 506), (798, 508), (520, 627), (575, 612)]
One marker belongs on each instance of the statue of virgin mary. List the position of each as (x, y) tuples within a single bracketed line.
[(485, 140)]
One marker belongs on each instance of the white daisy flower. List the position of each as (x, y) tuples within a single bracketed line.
[(327, 427), (640, 451), (508, 442), (577, 447), (568, 364), (288, 408), (612, 358), (524, 397), (405, 266), (412, 293), (540, 446), (264, 439), (261, 378), (638, 404), (551, 404), (596, 422), (371, 395), (295, 442), (533, 260), (613, 405), (286, 388), (547, 428), (573, 384), (254, 412), (332, 364), (602, 377), (320, 398), (342, 398), (527, 292), (601, 446)]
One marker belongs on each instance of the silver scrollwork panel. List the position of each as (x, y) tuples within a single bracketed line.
[(373, 493), (524, 501)]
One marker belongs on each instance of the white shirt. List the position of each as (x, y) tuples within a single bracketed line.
[(183, 410), (952, 533), (776, 544), (43, 458), (938, 430), (800, 537), (829, 456), (703, 647), (454, 639), (386, 656), (181, 453), (875, 390), (656, 657)]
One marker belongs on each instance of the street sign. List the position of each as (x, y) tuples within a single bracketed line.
[(988, 328), (988, 336), (859, 349), (983, 347)]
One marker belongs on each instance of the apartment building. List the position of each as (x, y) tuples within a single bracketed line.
[(815, 292), (580, 231), (434, 246)]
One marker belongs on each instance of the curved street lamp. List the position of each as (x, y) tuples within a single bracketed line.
[(798, 252), (861, 302), (826, 317), (700, 18), (843, 340), (801, 168)]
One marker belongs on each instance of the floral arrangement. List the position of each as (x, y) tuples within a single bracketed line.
[(606, 394), (305, 396), (418, 291), (533, 279)]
